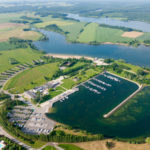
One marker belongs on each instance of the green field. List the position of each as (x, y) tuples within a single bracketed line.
[(7, 17), (69, 147), (31, 78), (74, 30), (6, 46), (95, 33), (49, 148), (89, 33), (21, 55)]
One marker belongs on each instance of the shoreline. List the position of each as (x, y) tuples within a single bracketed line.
[(100, 43), (66, 56)]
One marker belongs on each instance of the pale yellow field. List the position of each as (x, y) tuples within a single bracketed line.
[(132, 34), (57, 22), (4, 26), (8, 30), (100, 145)]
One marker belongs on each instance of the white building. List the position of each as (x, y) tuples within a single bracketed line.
[(29, 95), (2, 145)]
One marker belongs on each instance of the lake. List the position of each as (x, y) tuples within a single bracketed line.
[(138, 25), (57, 44)]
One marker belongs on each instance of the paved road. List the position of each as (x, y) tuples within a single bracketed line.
[(3, 132)]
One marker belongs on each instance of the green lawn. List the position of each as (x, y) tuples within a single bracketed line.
[(75, 66), (68, 83), (49, 148), (70, 147), (21, 55), (31, 78)]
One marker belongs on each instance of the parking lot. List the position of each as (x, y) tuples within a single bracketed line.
[(20, 114), (38, 123)]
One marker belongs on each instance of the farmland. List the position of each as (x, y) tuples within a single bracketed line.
[(99, 34), (17, 30), (93, 33), (31, 78), (90, 33)]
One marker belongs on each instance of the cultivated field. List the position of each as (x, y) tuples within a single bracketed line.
[(31, 78), (132, 34), (8, 30)]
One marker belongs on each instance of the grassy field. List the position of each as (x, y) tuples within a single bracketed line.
[(69, 147), (89, 33), (31, 78), (101, 145), (49, 148), (74, 30), (95, 33), (146, 36), (6, 46), (21, 55)]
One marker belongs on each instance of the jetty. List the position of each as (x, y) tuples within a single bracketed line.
[(102, 82), (91, 89), (123, 102)]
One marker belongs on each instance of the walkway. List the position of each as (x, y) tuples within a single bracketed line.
[(52, 144), (127, 99)]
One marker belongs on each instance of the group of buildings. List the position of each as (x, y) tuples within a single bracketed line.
[(43, 90)]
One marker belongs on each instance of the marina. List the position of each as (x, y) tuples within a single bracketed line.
[(94, 98)]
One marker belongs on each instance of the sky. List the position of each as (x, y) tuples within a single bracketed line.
[(75, 0)]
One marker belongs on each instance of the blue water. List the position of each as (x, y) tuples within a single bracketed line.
[(57, 44), (143, 26)]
